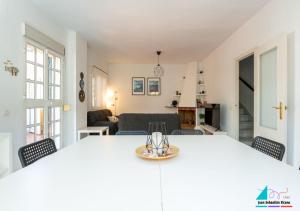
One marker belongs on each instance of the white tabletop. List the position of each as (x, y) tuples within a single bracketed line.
[(96, 173), (219, 173), (210, 173)]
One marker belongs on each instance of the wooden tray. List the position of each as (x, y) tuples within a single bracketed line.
[(172, 152)]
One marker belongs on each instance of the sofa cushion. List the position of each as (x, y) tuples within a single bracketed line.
[(135, 121), (101, 115), (113, 119)]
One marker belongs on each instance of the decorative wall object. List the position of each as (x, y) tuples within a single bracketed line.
[(158, 69), (174, 103), (138, 86), (10, 68), (81, 85), (153, 85)]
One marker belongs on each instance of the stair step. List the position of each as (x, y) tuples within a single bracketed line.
[(246, 125), (242, 111), (246, 133), (245, 118)]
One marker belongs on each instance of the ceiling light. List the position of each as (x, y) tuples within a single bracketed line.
[(158, 70)]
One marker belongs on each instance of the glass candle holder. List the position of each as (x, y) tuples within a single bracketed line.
[(157, 140)]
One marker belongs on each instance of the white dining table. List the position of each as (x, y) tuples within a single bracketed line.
[(103, 173)]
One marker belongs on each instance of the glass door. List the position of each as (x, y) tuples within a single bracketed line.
[(271, 91), (43, 93)]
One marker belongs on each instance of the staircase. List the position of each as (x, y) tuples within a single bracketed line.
[(246, 126)]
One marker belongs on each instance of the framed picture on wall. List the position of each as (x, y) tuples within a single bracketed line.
[(138, 86), (153, 86)]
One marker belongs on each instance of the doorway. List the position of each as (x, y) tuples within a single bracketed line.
[(246, 99), (264, 108)]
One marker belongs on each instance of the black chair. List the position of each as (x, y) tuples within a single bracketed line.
[(32, 152), (187, 132), (132, 132), (269, 147)]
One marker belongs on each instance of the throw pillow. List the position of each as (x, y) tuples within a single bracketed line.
[(113, 118)]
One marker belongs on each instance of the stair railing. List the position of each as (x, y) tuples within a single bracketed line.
[(248, 85)]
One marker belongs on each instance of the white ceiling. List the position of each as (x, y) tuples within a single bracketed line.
[(130, 31)]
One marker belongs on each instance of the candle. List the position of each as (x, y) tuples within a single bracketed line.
[(157, 139)]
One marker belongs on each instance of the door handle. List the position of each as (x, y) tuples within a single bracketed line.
[(281, 110)]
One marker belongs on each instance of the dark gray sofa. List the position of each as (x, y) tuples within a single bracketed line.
[(136, 121), (99, 118)]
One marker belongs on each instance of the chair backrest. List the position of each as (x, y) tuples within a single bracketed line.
[(132, 132), (32, 152), (187, 132), (269, 147)]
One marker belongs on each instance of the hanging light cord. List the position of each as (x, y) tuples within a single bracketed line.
[(158, 54)]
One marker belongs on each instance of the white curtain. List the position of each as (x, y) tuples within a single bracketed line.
[(99, 87)]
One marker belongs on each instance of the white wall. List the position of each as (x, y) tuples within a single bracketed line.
[(81, 66), (12, 111), (69, 121), (76, 57), (188, 93), (5, 154), (276, 18), (120, 80)]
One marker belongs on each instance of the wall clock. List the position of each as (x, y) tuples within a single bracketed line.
[(81, 82), (81, 96)]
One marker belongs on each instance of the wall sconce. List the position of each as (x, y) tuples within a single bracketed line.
[(10, 68)]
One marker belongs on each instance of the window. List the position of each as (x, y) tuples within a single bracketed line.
[(54, 81), (99, 86), (43, 97), (34, 72), (54, 124), (34, 124)]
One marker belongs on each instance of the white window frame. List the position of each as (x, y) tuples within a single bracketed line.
[(44, 103)]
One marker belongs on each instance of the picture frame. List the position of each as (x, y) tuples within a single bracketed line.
[(138, 86), (153, 86)]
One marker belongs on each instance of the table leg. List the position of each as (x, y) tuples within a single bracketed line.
[(107, 131)]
